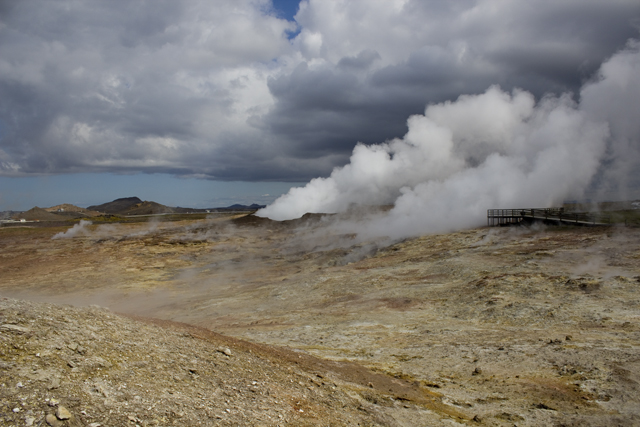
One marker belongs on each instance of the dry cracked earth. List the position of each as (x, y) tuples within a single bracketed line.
[(244, 321)]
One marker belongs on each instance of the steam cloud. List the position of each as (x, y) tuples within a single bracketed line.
[(78, 229), (493, 150)]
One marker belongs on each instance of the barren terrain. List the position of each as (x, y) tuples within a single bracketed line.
[(499, 327)]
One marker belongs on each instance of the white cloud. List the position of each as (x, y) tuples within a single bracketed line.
[(217, 89)]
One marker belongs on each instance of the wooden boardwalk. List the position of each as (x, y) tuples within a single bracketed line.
[(502, 217)]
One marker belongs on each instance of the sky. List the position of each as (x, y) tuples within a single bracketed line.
[(206, 103)]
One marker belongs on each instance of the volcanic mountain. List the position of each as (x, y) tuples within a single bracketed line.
[(117, 206)]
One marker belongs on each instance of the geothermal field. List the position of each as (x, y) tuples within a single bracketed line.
[(240, 320)]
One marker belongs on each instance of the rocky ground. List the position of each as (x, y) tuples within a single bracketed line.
[(63, 366), (501, 327)]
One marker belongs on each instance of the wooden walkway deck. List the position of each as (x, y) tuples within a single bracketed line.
[(501, 217)]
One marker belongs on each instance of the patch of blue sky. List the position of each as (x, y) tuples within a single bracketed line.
[(287, 9)]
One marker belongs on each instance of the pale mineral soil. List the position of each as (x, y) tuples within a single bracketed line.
[(501, 326)]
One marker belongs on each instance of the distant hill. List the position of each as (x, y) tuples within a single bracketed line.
[(123, 207), (118, 206), (38, 214), (245, 207), (71, 211), (147, 208), (135, 206), (132, 206), (236, 207)]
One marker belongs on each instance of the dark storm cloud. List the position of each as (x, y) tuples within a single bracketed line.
[(462, 48), (327, 110), (217, 89), (360, 62), (123, 85)]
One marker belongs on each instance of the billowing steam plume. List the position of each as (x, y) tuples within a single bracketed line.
[(493, 150), (78, 229)]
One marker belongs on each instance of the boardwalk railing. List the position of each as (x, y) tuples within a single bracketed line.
[(516, 216)]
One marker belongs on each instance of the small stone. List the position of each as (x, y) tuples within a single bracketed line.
[(15, 328), (225, 350), (568, 338), (95, 425), (63, 413), (16, 410), (5, 365), (52, 420), (477, 419), (28, 421), (477, 371), (53, 402), (55, 383)]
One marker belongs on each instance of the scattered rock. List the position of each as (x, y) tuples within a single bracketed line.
[(55, 383), (14, 328), (52, 420), (543, 406), (5, 365), (63, 413), (506, 416), (125, 380), (225, 350)]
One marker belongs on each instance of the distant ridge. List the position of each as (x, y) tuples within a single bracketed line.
[(237, 206), (135, 206), (71, 211), (125, 206), (147, 208), (117, 206), (38, 214)]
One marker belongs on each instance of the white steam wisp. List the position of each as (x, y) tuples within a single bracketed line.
[(492, 150), (78, 229)]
